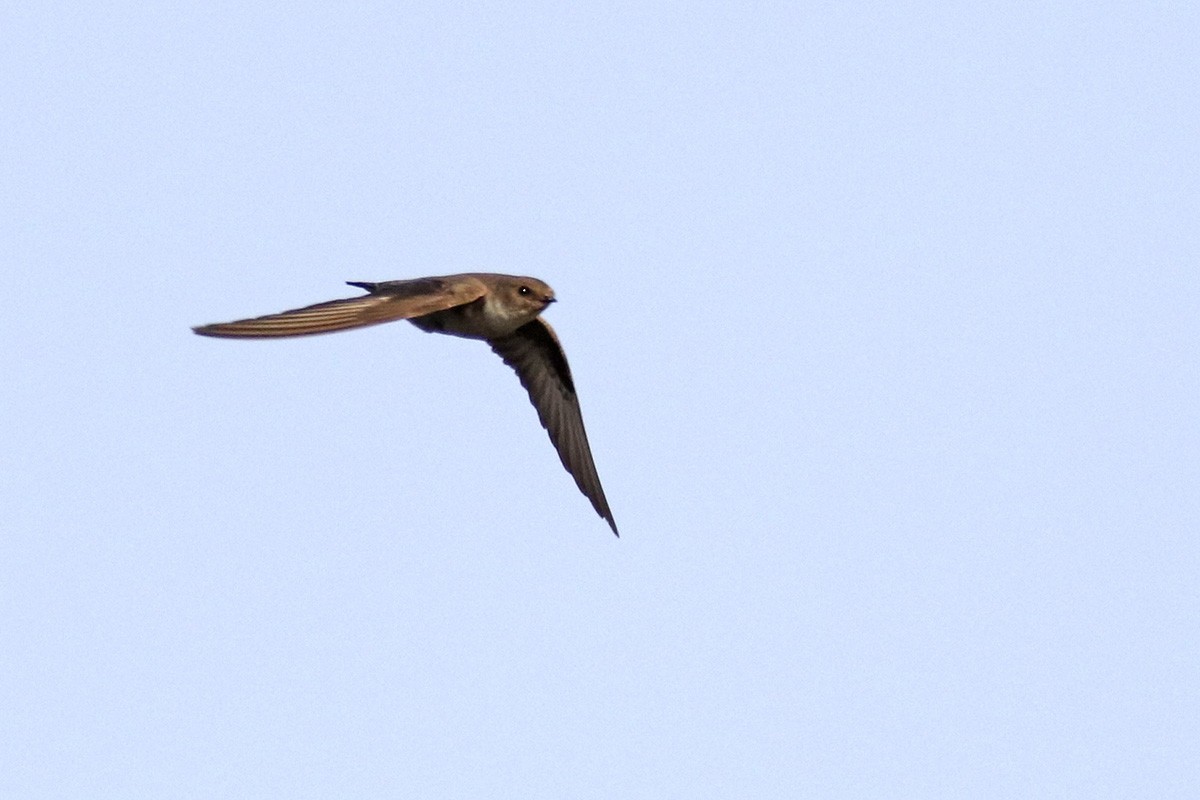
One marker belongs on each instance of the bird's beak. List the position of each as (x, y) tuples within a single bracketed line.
[(550, 300)]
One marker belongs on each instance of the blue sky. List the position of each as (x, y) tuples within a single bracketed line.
[(884, 323)]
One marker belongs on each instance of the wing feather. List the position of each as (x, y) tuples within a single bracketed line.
[(387, 302), (535, 355)]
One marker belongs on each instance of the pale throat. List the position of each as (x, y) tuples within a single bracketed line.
[(504, 318)]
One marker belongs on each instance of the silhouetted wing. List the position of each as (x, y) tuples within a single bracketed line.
[(387, 302), (534, 353)]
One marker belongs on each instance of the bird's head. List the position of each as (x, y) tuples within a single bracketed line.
[(526, 295)]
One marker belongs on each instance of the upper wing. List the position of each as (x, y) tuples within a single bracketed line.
[(534, 353), (386, 302)]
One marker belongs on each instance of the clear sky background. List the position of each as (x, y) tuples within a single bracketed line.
[(884, 321)]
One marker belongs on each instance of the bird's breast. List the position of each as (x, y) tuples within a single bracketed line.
[(475, 320)]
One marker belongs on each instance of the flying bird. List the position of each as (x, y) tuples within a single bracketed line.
[(503, 310)]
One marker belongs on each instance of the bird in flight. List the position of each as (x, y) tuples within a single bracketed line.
[(503, 310)]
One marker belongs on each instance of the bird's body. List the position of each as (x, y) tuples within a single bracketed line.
[(503, 310)]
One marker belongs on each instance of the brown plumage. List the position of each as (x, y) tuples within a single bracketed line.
[(503, 310)]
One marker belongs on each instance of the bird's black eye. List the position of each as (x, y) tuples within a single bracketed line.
[(524, 290)]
